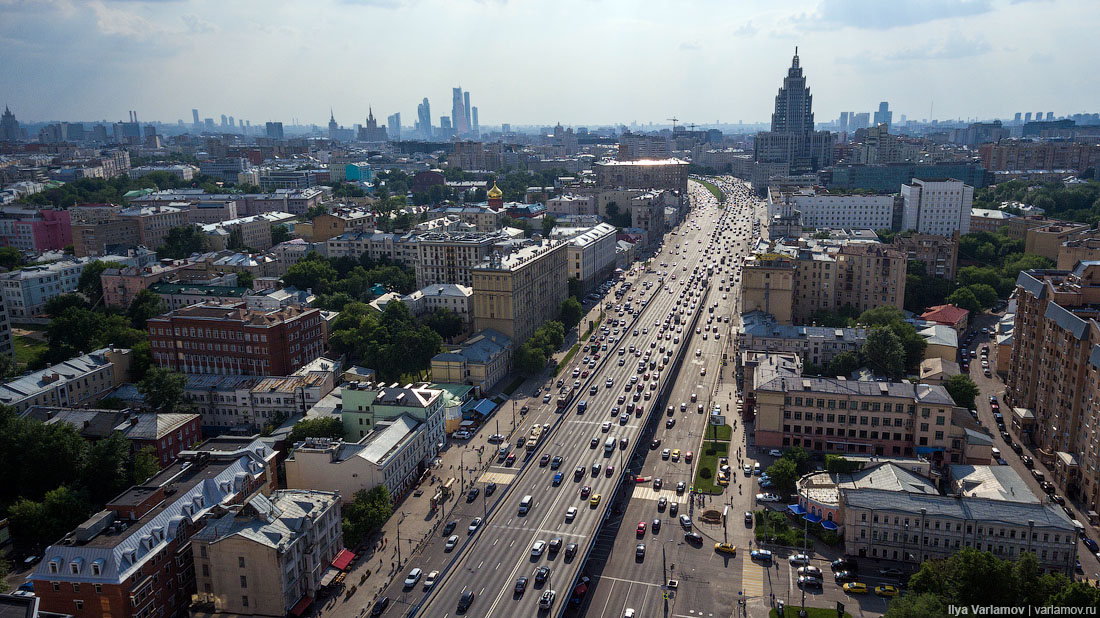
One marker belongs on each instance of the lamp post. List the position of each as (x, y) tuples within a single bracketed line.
[(805, 550)]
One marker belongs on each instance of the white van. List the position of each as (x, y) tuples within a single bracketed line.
[(525, 505), (609, 445), (996, 453)]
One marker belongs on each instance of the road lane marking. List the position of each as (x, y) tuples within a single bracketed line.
[(752, 579), (629, 581)]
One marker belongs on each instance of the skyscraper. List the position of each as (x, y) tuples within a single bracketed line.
[(792, 139), (225, 120), (884, 115), (333, 128), (1027, 117), (1016, 119), (466, 108), (842, 124), (195, 116), (1050, 115), (458, 111), (474, 128), (393, 122), (275, 130), (9, 126), (424, 119)]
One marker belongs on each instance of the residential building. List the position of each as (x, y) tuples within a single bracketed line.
[(522, 290), (179, 295), (81, 380), (266, 557), (442, 257), (792, 139), (947, 315), (104, 237), (253, 231), (571, 204), (367, 404), (341, 221), (767, 285), (165, 433), (132, 559), (230, 339), (484, 219), (822, 209), (121, 285), (591, 253), (814, 344), (210, 211), (30, 229), (638, 146), (870, 276), (1046, 240), (7, 338), (244, 405), (819, 492), (836, 415), (986, 220), (668, 174), (469, 155), (1040, 155), (27, 290), (937, 370), (941, 341), (937, 206), (939, 254), (182, 172), (481, 361), (154, 222), (1083, 247), (272, 299), (449, 296), (647, 212)]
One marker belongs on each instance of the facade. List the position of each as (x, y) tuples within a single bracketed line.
[(1047, 240), (1081, 249), (947, 315), (133, 559), (1053, 372), (591, 253), (814, 344), (341, 221), (637, 146), (886, 178), (35, 230), (792, 139), (939, 253), (154, 222), (263, 557), (986, 220), (7, 338), (1039, 155), (179, 295), (27, 290), (226, 168), (104, 237), (443, 257), (449, 296), (939, 207), (669, 174), (869, 276), (482, 361), (821, 209), (247, 404), (75, 382), (230, 339), (253, 231), (167, 434), (211, 211), (518, 292), (571, 204)]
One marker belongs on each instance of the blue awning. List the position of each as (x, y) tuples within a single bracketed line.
[(796, 509), (813, 519), (828, 525), (485, 407)]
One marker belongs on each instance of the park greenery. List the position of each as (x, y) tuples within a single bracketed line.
[(893, 346), (43, 500), (343, 280), (112, 190), (963, 580), (391, 341), (1078, 202)]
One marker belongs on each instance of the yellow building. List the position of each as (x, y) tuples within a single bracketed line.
[(518, 292), (767, 284)]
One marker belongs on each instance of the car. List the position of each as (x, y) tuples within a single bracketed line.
[(654, 444), (657, 483), (596, 467), (430, 580), (767, 498), (380, 606), (450, 527), (775, 452), (688, 456), (662, 502), (639, 551), (546, 601), (544, 460), (472, 494), (843, 564), (748, 470), (546, 397), (595, 501), (585, 491), (570, 551), (656, 525), (570, 513), (685, 522), (799, 559), (629, 612), (606, 427), (844, 576), (466, 600), (665, 454), (809, 570), (809, 581), (538, 547), (624, 417), (890, 572), (452, 541), (594, 442), (855, 588), (762, 555), (674, 508), (462, 434), (556, 462), (609, 471), (675, 454), (490, 488), (681, 487), (886, 590), (510, 459), (475, 523), (541, 575), (725, 548), (413, 577), (1091, 544), (521, 585), (555, 545)]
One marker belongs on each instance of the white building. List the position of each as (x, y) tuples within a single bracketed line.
[(940, 207), (570, 204), (70, 384), (450, 296), (591, 252), (821, 209), (245, 404)]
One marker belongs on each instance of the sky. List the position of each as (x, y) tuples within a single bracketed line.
[(536, 62)]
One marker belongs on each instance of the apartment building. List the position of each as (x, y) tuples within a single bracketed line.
[(647, 212), (939, 254), (179, 295), (939, 207), (81, 380), (1047, 240), (104, 237), (670, 174), (482, 217), (253, 231), (341, 221), (121, 285), (7, 338), (154, 222), (133, 558), (1054, 374), (987, 220), (836, 415), (518, 292), (210, 211), (870, 276), (247, 404), (570, 204), (27, 290), (231, 339), (822, 209), (1039, 155), (443, 257), (591, 253), (814, 344), (449, 296), (166, 434), (30, 229), (266, 557), (482, 361)]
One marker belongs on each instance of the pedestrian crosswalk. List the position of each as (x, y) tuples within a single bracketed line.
[(646, 492), (500, 478), (752, 579)]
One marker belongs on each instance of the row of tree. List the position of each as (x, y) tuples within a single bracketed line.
[(343, 280), (1078, 202), (112, 190)]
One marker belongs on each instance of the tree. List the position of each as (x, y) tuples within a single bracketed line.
[(836, 463), (843, 364), (882, 352), (145, 465), (10, 257), (146, 304), (323, 427), (530, 360), (37, 524), (783, 474), (78, 331), (182, 241), (571, 313), (107, 472), (162, 389), (366, 514), (280, 234), (245, 279), (548, 224), (236, 239), (576, 287), (922, 605), (445, 322), (316, 274), (963, 298), (58, 304), (90, 284), (985, 294), (962, 390)]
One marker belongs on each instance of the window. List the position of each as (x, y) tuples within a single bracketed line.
[(240, 561), (99, 588), (244, 601), (244, 581), (80, 604), (76, 587)]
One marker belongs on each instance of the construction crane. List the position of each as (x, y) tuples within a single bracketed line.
[(692, 126), (674, 121)]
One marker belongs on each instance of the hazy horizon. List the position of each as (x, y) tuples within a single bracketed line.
[(576, 62)]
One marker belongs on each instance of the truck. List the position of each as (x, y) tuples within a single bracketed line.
[(533, 437)]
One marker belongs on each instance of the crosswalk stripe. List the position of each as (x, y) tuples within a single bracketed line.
[(752, 578)]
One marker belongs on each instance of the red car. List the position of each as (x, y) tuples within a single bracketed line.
[(641, 528), (585, 491)]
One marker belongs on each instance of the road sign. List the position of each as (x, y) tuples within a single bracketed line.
[(717, 419)]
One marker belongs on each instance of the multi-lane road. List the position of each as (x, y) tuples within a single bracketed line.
[(489, 560)]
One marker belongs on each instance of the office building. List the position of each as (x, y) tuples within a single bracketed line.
[(888, 177), (253, 232), (424, 119), (451, 258), (274, 130), (823, 209), (9, 127), (814, 344), (154, 222), (591, 253), (231, 339), (939, 207), (987, 220), (475, 129), (669, 174), (467, 111), (792, 139), (458, 111), (481, 361), (393, 124), (267, 556), (133, 558), (517, 292), (884, 115)]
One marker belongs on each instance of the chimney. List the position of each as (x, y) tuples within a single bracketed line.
[(133, 420)]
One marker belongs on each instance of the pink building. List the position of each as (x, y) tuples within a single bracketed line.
[(28, 229)]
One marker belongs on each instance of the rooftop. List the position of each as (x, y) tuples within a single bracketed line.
[(993, 482), (35, 382), (824, 487), (273, 521), (97, 423), (976, 509)]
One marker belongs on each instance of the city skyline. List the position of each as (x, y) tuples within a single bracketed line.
[(709, 63)]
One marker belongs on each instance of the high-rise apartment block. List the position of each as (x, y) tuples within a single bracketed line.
[(939, 207), (939, 254)]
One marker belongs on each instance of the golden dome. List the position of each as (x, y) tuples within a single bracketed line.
[(495, 193)]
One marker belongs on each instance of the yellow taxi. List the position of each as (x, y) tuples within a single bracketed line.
[(723, 479), (886, 591), (725, 548), (855, 588), (595, 501), (675, 454)]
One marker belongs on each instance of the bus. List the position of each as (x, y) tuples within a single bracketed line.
[(533, 438)]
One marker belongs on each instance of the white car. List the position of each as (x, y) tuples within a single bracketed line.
[(413, 577), (538, 547), (461, 434), (799, 559), (430, 580), (775, 452), (452, 541), (570, 513)]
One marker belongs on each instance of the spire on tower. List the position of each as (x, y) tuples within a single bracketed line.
[(794, 63), (331, 116)]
